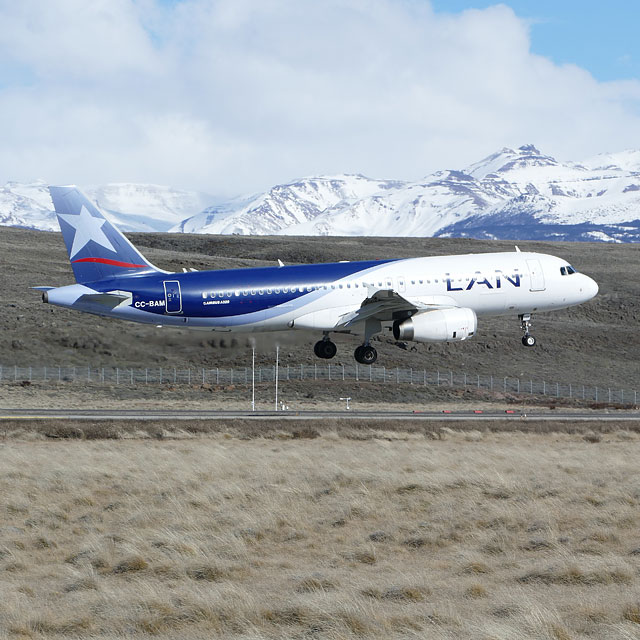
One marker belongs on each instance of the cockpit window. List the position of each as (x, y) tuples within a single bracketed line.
[(563, 271), (567, 271), (570, 269)]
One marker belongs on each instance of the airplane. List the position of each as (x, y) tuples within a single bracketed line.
[(430, 299)]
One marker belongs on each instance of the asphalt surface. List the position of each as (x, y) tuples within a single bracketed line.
[(144, 414)]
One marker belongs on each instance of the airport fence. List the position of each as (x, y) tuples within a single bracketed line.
[(336, 372)]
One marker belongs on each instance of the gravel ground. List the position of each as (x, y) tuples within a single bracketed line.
[(596, 343)]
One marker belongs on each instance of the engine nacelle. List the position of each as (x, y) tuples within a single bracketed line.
[(443, 325)]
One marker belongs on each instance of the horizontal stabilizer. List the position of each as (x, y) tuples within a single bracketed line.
[(42, 288), (109, 300)]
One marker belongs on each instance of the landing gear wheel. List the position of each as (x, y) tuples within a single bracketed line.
[(525, 323), (365, 354), (325, 349)]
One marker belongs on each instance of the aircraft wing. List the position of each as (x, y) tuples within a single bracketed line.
[(385, 303)]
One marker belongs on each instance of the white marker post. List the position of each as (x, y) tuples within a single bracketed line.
[(347, 399)]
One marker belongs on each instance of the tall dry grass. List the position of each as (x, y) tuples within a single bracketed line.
[(476, 535)]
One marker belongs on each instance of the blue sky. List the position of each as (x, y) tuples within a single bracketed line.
[(599, 36), (234, 96)]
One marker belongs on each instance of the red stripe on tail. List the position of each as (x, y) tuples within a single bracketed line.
[(114, 263)]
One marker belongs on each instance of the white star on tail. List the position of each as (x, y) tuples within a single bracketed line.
[(87, 228)]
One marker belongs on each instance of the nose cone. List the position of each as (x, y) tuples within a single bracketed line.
[(589, 288)]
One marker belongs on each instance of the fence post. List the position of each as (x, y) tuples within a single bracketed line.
[(411, 375), (570, 391), (544, 387), (146, 376), (370, 374), (397, 375), (117, 375), (438, 377), (329, 371), (557, 390), (287, 372), (451, 378), (315, 371), (131, 377), (301, 372), (424, 373), (478, 376), (505, 384), (189, 375), (491, 387), (609, 391), (384, 374), (531, 381), (596, 394), (218, 375), (343, 372), (30, 380), (102, 374), (357, 379)]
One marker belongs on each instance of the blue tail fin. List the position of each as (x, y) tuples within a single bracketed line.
[(97, 250)]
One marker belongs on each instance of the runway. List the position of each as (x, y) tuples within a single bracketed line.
[(146, 414)]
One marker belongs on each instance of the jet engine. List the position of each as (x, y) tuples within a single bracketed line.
[(442, 325)]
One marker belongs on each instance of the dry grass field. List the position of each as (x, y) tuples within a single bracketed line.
[(342, 534)]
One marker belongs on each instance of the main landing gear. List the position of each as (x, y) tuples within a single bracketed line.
[(365, 354), (325, 348), (525, 323)]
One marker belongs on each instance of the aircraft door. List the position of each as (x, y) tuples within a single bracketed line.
[(172, 296), (536, 274)]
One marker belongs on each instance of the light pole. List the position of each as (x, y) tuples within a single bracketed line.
[(253, 376), (277, 359)]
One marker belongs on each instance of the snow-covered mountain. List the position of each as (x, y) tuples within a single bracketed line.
[(286, 206), (514, 194), (134, 207)]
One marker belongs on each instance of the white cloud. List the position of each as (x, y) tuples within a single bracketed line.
[(230, 96)]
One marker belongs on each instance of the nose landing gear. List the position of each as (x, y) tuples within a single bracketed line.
[(525, 323)]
